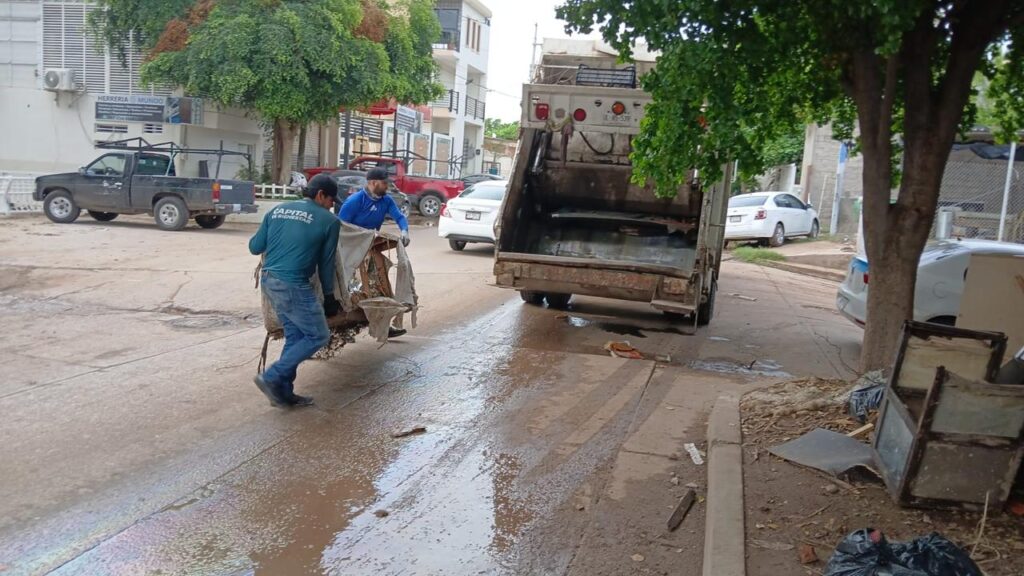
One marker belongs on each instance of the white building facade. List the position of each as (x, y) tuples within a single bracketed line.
[(462, 54), (51, 123)]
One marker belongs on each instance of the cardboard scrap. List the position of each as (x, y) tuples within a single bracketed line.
[(623, 350), (828, 451)]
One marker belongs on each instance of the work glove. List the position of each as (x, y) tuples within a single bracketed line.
[(331, 306), (405, 238)]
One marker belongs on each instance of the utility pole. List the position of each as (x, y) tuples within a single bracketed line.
[(533, 58), (348, 138)]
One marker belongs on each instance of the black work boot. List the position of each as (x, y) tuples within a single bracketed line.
[(296, 401), (395, 332), (268, 391)]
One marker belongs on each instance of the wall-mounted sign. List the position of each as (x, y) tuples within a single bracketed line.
[(409, 119), (151, 109)]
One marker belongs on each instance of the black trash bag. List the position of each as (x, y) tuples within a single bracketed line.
[(936, 556), (866, 552), (864, 401), (867, 395)]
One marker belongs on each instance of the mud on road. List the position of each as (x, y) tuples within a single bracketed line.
[(136, 442)]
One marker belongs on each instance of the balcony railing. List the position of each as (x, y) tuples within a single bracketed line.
[(449, 101), (474, 107), (449, 40)]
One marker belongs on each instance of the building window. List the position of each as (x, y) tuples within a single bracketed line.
[(149, 128), (67, 43), (112, 128), (449, 19), (473, 29)]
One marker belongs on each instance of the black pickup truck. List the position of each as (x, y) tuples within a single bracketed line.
[(141, 180)]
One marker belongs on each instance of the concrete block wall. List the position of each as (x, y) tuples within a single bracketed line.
[(818, 173)]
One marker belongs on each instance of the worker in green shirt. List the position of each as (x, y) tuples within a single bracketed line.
[(298, 239)]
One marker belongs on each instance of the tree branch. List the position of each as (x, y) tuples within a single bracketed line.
[(917, 49), (972, 34), (892, 66)]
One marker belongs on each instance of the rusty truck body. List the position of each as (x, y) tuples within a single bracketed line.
[(573, 221)]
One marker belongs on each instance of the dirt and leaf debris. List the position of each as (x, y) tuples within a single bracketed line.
[(790, 504)]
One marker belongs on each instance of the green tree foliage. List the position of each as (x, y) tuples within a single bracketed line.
[(291, 61), (733, 76), (495, 128)]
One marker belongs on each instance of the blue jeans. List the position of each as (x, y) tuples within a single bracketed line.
[(305, 330)]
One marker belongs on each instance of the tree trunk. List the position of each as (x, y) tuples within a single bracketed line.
[(303, 132), (895, 235), (281, 159), (894, 250)]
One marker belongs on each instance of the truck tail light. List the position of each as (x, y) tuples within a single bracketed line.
[(865, 278), (579, 115), (618, 108), (216, 191), (761, 214), (444, 211), (541, 111)]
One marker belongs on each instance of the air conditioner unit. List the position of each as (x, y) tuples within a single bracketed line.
[(59, 79)]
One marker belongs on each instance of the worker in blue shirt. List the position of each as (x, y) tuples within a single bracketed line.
[(298, 239), (368, 208)]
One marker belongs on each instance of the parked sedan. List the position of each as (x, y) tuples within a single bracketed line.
[(349, 183), (470, 217), (477, 178), (769, 218), (941, 272)]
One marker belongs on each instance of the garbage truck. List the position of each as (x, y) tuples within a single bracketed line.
[(573, 222)]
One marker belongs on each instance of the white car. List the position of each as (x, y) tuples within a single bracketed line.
[(940, 280), (469, 217), (770, 218)]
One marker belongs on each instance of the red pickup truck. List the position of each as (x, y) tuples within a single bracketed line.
[(426, 194)]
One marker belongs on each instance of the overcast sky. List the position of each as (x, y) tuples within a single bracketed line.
[(511, 49)]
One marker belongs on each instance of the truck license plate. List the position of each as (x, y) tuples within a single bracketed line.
[(735, 218), (472, 215)]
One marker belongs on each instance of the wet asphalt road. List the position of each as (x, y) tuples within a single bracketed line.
[(135, 442)]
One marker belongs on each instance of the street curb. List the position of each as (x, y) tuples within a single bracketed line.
[(724, 536), (808, 270)]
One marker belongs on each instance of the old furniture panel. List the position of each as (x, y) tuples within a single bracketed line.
[(965, 442), (975, 355), (994, 297)]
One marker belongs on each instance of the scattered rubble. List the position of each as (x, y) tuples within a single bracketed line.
[(778, 546), (793, 504), (695, 456), (806, 554), (409, 432), (623, 350), (682, 509), (742, 297)]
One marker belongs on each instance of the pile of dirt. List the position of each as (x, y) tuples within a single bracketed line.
[(790, 509)]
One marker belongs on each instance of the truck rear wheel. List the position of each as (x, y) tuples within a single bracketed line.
[(210, 221), (535, 298), (430, 204), (170, 213), (558, 301), (457, 245), (102, 216), (60, 207)]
